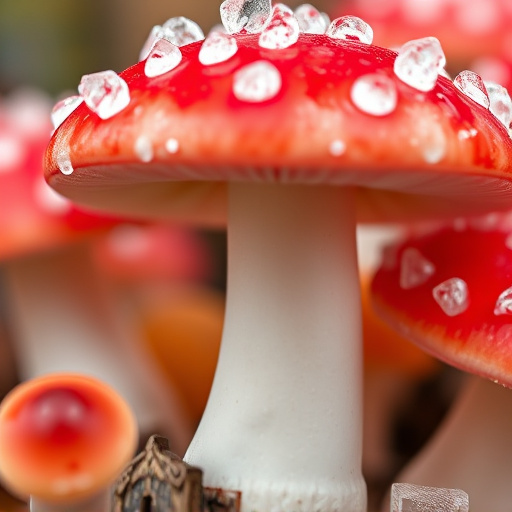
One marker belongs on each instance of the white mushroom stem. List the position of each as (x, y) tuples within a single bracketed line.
[(64, 321), (283, 421), (472, 449), (100, 502)]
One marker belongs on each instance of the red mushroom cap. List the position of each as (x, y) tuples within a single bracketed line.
[(450, 292), (32, 216), (64, 437), (186, 132)]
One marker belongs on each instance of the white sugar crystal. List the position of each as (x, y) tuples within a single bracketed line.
[(311, 21), (162, 58), (352, 28), (503, 305), (49, 200), (473, 87), (12, 153), (144, 148), (415, 269), (64, 163), (467, 134), (418, 498), (62, 109), (419, 63), (281, 31), (250, 15), (182, 31), (337, 147), (217, 47), (105, 93), (452, 296), (172, 145), (500, 102), (374, 94), (178, 31), (256, 82)]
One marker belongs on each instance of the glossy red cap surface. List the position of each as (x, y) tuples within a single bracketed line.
[(64, 437), (450, 292), (437, 143)]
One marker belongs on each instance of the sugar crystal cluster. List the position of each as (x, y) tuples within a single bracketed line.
[(257, 82), (350, 28), (250, 15), (163, 57), (374, 94), (473, 87), (281, 31)]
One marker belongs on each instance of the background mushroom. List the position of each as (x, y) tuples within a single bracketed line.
[(448, 291), (292, 130), (61, 316), (64, 439)]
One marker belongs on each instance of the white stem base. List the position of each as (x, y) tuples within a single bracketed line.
[(64, 321), (283, 421), (472, 450)]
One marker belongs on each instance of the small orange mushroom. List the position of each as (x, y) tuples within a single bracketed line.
[(64, 438)]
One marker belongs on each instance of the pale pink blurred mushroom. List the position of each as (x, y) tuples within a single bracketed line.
[(60, 313)]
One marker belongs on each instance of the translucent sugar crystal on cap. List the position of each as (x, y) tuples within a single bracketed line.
[(473, 87), (419, 63), (63, 109), (415, 269), (217, 47), (162, 58), (281, 31), (500, 103), (503, 305), (311, 21), (374, 94), (179, 31), (350, 27), (417, 498), (64, 162), (250, 15), (105, 93), (452, 296), (256, 82)]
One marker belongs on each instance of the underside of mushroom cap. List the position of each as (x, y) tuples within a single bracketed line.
[(450, 292), (186, 132)]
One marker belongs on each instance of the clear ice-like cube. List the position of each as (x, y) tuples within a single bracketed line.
[(62, 109), (415, 269), (163, 57), (504, 303), (418, 498), (452, 296), (311, 20), (500, 103), (217, 47), (419, 63), (250, 15), (472, 85), (351, 28), (105, 93), (64, 163), (374, 94), (281, 31), (257, 82)]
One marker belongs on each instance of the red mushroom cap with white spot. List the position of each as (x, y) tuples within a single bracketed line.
[(322, 111), (450, 291), (64, 437)]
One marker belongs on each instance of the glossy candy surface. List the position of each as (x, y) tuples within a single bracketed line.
[(63, 437)]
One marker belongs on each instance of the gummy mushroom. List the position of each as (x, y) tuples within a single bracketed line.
[(450, 292), (60, 314), (288, 134), (64, 439)]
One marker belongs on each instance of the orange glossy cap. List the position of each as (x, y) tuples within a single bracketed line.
[(64, 437)]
